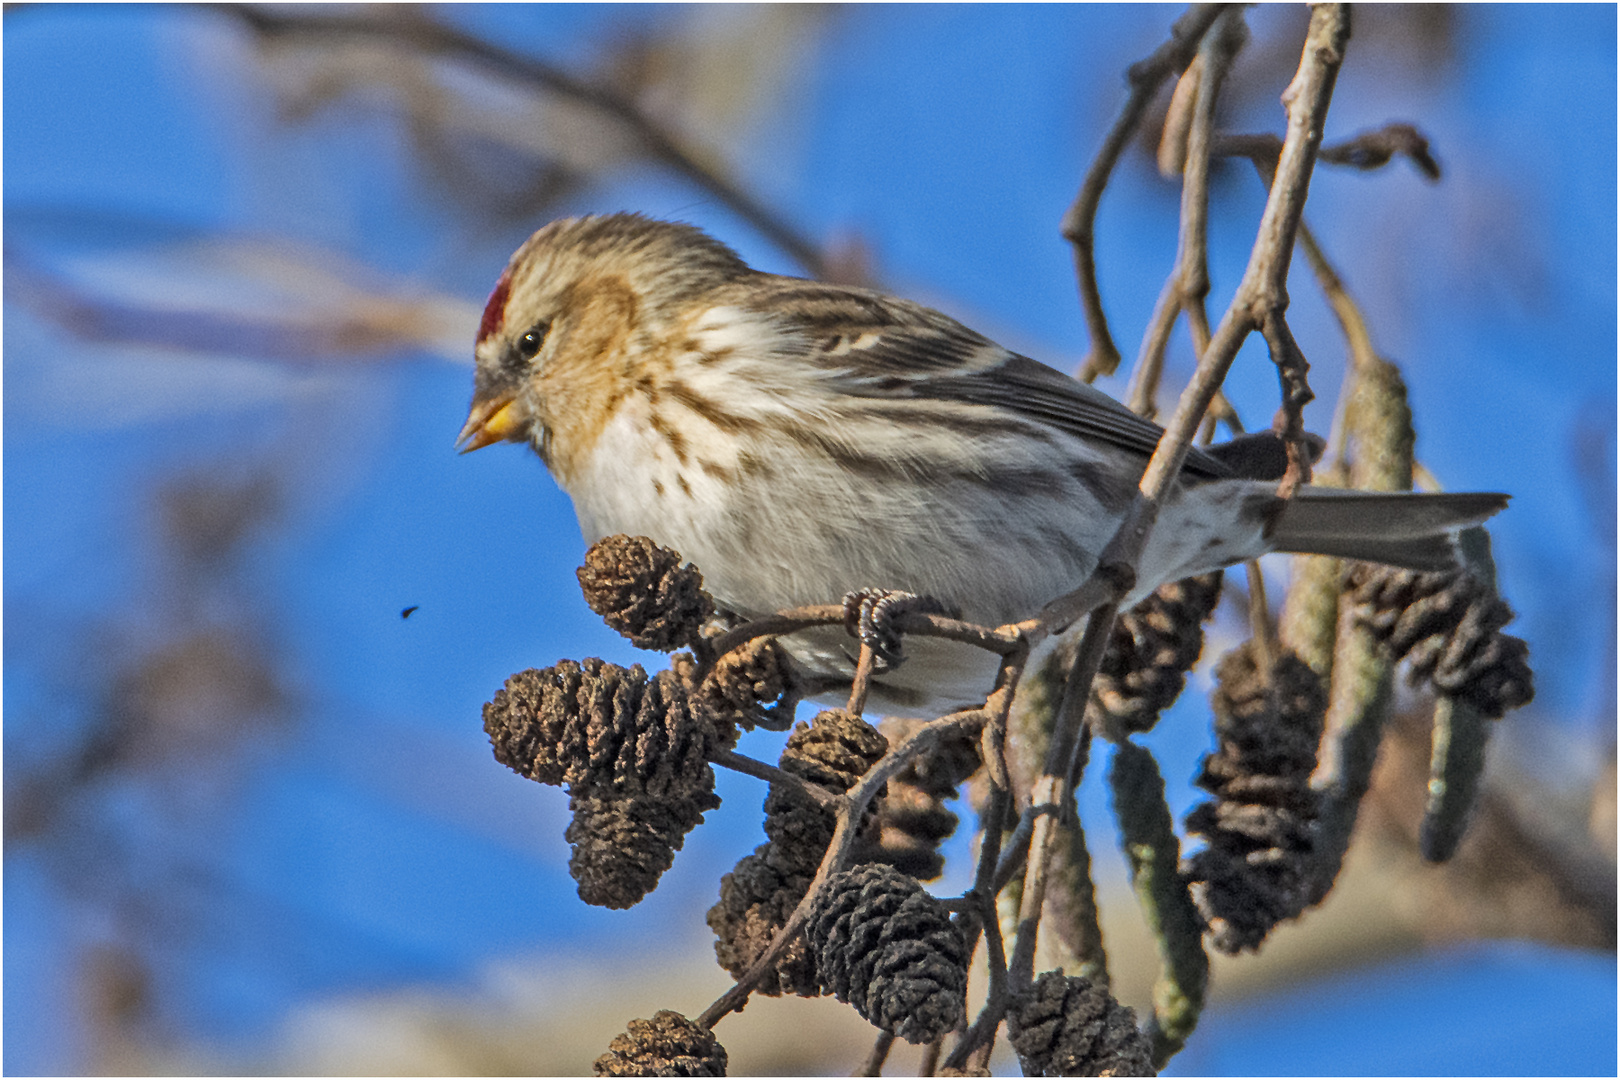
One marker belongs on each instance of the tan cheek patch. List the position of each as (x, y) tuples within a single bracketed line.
[(584, 383)]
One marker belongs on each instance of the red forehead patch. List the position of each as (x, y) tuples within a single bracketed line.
[(495, 310)]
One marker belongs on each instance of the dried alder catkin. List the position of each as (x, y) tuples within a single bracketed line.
[(752, 685), (1148, 836), (834, 750), (1448, 625), (1151, 649), (641, 590), (644, 592), (1069, 1026), (885, 945), (1253, 873), (912, 820), (633, 755), (667, 1045)]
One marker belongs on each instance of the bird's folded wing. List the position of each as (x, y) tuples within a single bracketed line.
[(880, 346)]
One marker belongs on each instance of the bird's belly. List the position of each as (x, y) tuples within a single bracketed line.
[(791, 531), (935, 677)]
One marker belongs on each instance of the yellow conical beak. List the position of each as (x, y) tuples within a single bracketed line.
[(492, 421)]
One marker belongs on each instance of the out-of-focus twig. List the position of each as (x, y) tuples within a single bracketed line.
[(978, 1040), (1369, 150), (436, 39), (873, 1065)]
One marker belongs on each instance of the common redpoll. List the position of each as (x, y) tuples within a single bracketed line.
[(799, 441)]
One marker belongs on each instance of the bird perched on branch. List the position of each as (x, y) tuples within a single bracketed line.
[(800, 441)]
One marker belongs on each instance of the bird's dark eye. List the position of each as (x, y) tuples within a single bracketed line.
[(528, 346)]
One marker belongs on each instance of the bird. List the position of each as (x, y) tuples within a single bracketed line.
[(801, 441)]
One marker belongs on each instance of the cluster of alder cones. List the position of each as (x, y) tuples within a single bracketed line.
[(635, 753)]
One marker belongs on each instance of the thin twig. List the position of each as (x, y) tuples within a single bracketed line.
[(1368, 151), (1296, 394), (1261, 628), (993, 752), (787, 621), (873, 1066), (1145, 77), (1218, 50), (996, 998), (930, 1057), (983, 894), (1144, 386), (1003, 641), (1261, 293), (1351, 323), (863, 679), (812, 793), (1375, 149), (1015, 849), (1263, 289), (437, 39)]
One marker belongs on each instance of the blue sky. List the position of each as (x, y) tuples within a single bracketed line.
[(371, 841)]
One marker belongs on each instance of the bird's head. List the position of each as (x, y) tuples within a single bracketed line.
[(572, 322)]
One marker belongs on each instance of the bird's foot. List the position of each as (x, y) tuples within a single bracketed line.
[(870, 615)]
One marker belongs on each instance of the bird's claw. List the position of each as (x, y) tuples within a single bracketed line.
[(870, 614)]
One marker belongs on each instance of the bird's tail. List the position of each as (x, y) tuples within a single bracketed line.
[(1406, 529)]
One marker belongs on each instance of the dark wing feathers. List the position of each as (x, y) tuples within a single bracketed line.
[(882, 346), (1032, 389)]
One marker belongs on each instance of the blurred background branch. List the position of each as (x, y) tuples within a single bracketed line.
[(643, 69)]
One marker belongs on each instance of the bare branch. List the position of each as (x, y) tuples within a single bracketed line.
[(863, 679), (1296, 394), (1188, 284), (1262, 292), (1150, 358), (1367, 151), (1145, 78), (813, 793), (982, 1034), (1263, 289), (1261, 295)]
